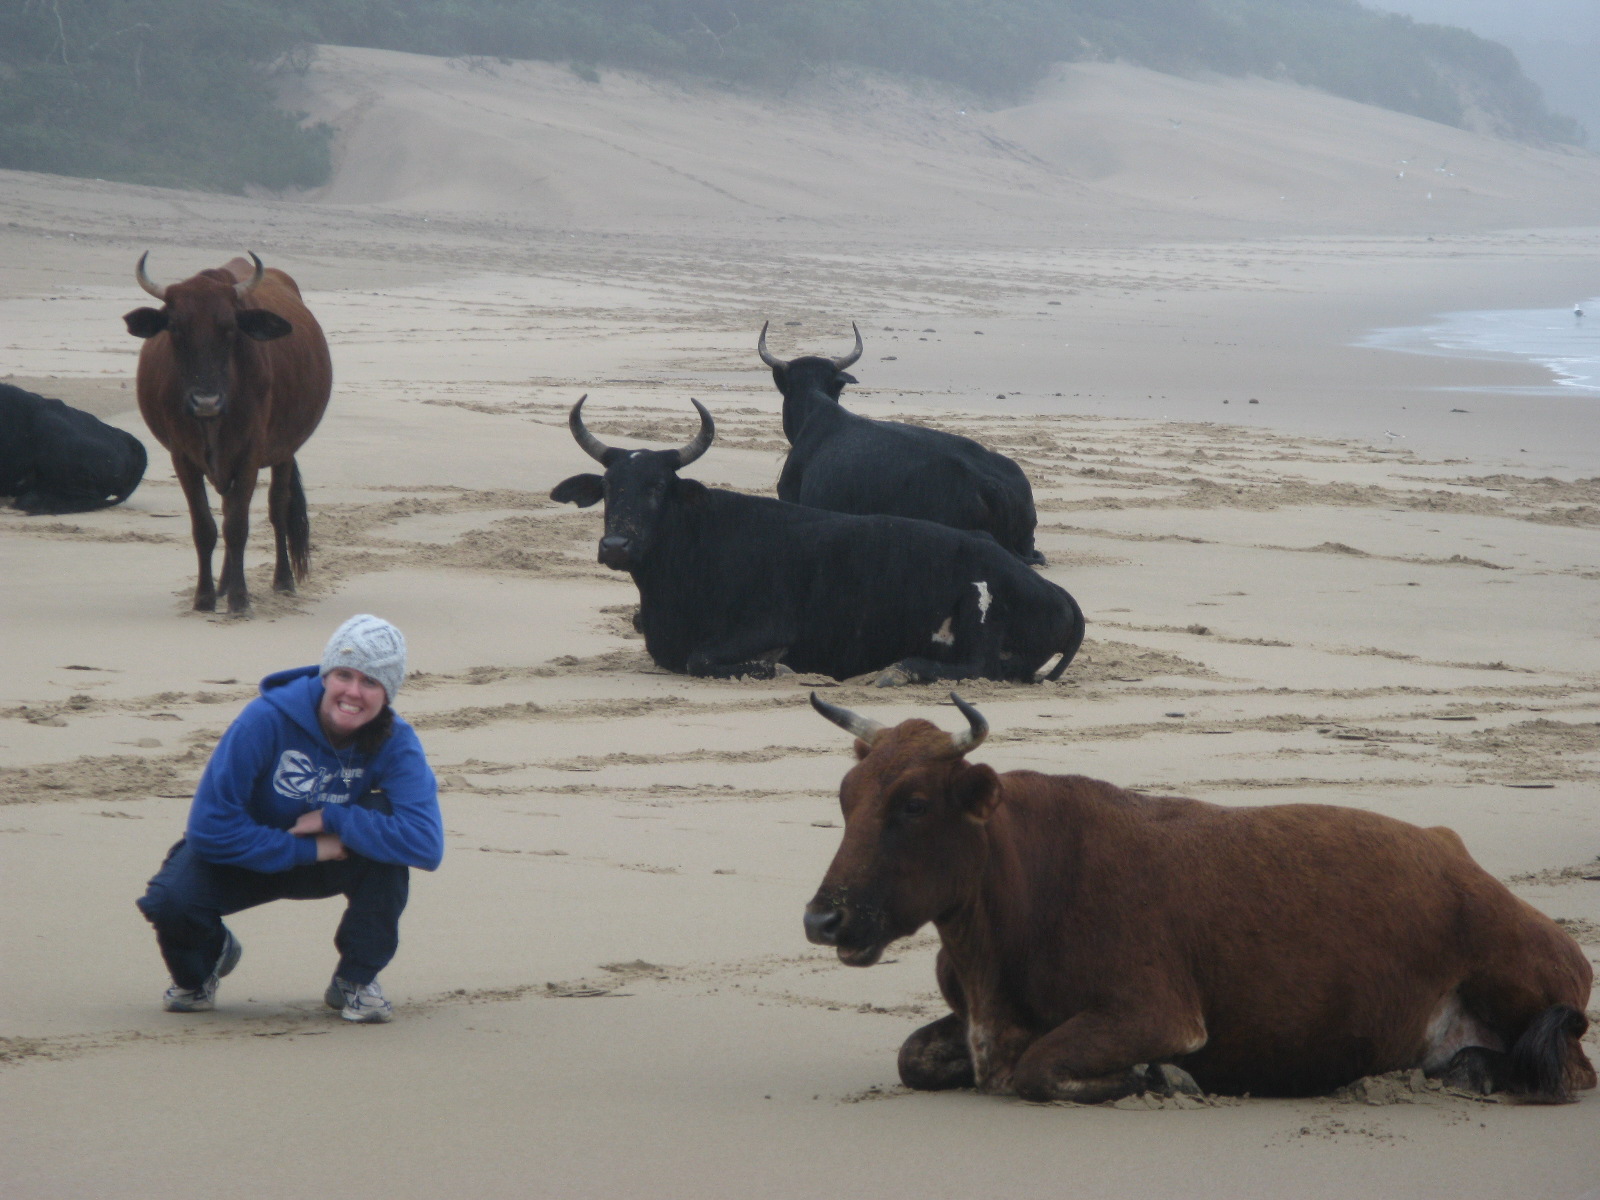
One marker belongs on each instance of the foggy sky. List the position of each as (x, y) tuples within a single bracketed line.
[(1531, 19)]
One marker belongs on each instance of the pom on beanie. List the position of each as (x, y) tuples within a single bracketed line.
[(372, 646)]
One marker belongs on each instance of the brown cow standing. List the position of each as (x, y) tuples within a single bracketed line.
[(234, 376), (1097, 942)]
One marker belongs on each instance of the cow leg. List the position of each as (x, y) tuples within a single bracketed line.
[(291, 528), (965, 646), (705, 666), (1099, 1056), (937, 1056), (754, 654), (203, 527), (1476, 1069), (41, 503), (235, 533), (278, 513)]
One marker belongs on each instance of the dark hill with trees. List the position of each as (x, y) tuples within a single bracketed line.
[(179, 92)]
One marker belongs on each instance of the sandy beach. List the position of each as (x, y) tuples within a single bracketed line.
[(1313, 571)]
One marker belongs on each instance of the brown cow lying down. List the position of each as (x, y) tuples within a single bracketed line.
[(1097, 942)]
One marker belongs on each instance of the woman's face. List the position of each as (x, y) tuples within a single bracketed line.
[(349, 700)]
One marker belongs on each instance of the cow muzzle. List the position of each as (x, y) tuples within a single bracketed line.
[(205, 406), (828, 924), (822, 928), (616, 553)]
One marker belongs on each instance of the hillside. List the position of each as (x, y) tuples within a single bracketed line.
[(178, 93), (1101, 146)]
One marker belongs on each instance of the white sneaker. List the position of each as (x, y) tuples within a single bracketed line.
[(362, 1003), (203, 998)]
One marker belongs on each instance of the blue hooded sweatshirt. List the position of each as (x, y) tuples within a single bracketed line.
[(275, 764)]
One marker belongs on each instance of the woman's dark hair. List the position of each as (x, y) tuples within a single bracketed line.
[(370, 737)]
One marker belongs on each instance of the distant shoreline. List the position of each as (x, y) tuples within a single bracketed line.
[(1557, 340)]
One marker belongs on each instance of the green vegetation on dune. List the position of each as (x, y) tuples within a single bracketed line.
[(169, 92), (179, 91)]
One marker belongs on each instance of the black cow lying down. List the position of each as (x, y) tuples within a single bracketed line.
[(844, 462), (56, 459), (732, 585), (1097, 942)]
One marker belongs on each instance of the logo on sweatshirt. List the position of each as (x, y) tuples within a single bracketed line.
[(297, 776)]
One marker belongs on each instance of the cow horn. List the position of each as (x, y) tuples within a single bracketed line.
[(849, 359), (592, 446), (772, 360), (702, 440), (864, 728), (160, 293), (972, 738), (242, 288)]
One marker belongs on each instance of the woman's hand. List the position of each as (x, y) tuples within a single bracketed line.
[(329, 847), (309, 824)]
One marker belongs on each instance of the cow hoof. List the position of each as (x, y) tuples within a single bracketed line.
[(1474, 1069), (1168, 1080), (895, 676)]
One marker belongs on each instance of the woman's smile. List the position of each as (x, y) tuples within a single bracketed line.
[(349, 700)]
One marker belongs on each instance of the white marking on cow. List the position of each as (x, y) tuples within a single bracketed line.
[(1452, 1029), (980, 1041), (984, 600), (943, 635)]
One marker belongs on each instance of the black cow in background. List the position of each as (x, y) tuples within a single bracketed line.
[(56, 459), (732, 585), (848, 463)]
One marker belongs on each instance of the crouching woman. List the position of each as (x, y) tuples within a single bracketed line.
[(317, 789)]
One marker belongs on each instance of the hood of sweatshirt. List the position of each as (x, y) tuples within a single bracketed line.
[(296, 693)]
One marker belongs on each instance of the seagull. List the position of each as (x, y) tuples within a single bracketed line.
[(1391, 435)]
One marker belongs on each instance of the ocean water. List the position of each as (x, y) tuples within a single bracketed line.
[(1557, 339)]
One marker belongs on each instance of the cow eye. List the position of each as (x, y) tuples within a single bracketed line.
[(914, 806)]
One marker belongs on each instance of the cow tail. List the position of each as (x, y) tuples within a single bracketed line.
[(1074, 638), (1538, 1061), (298, 526)]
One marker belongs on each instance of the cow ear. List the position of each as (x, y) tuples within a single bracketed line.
[(977, 790), (262, 325), (848, 378), (690, 491), (582, 490), (145, 322), (862, 749)]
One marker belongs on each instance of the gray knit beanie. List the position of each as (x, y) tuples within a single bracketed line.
[(372, 646)]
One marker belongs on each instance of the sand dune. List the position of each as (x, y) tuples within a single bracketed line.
[(1312, 570), (1100, 142)]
